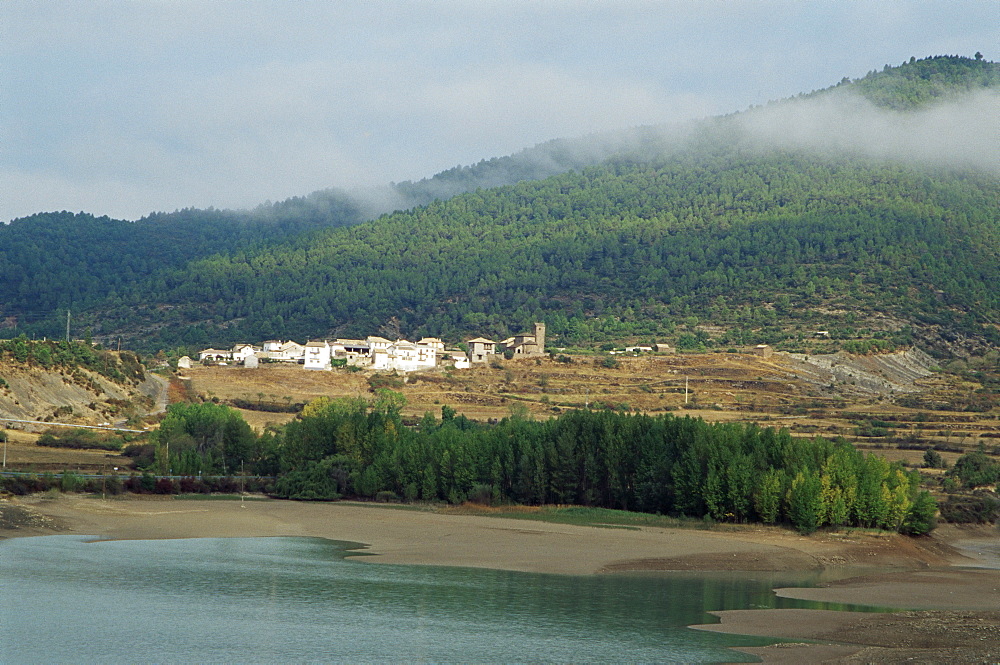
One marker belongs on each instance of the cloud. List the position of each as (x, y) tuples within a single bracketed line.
[(962, 133), (536, 103), (126, 108)]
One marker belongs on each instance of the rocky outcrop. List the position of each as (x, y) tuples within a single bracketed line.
[(882, 374)]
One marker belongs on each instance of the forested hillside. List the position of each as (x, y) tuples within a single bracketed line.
[(664, 230), (60, 260)]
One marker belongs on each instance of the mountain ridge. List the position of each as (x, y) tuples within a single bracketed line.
[(236, 311)]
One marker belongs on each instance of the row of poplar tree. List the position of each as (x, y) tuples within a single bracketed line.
[(658, 464)]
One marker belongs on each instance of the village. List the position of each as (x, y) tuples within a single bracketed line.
[(377, 353)]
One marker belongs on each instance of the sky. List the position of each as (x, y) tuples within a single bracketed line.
[(128, 108)]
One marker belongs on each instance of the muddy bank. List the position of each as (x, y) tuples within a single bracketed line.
[(401, 535), (951, 614), (949, 610)]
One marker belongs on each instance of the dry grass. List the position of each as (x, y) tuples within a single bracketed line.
[(721, 387), (24, 455)]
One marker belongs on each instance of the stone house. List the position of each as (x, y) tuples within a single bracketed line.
[(480, 349), (526, 344)]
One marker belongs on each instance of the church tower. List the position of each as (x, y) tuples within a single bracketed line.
[(540, 337)]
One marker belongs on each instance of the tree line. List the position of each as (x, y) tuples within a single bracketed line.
[(657, 464)]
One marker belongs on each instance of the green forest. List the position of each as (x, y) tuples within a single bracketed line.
[(663, 229), (655, 464), (622, 250)]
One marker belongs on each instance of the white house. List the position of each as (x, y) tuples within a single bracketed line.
[(433, 342), (317, 355), (427, 354), (215, 354), (378, 352), (289, 352), (242, 351), (375, 343), (460, 359), (404, 356), (354, 351)]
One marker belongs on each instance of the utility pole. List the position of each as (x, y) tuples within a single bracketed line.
[(67, 325), (685, 390)]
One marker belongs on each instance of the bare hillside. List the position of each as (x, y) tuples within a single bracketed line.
[(71, 395)]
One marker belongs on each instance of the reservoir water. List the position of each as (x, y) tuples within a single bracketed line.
[(268, 600)]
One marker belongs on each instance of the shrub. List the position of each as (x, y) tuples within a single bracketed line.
[(920, 519), (609, 362), (314, 481), (142, 454), (132, 484), (192, 485), (147, 483), (386, 496), (165, 486), (933, 460), (70, 482), (223, 485), (23, 485), (391, 381), (976, 469), (979, 508), (112, 485), (80, 439), (484, 495)]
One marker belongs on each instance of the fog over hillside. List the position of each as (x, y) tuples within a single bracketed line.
[(961, 132), (124, 109), (964, 132)]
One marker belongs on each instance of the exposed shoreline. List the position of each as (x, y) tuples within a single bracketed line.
[(883, 570)]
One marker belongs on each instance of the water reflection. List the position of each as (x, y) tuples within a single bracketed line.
[(298, 599)]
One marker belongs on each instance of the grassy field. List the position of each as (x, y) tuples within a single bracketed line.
[(578, 515)]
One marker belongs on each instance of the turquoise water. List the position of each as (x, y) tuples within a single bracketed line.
[(65, 599)]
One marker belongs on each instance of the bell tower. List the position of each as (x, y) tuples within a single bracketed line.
[(540, 337)]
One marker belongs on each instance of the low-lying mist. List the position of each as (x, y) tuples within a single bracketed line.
[(962, 132)]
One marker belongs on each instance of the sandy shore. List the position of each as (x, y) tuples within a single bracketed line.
[(963, 605)]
